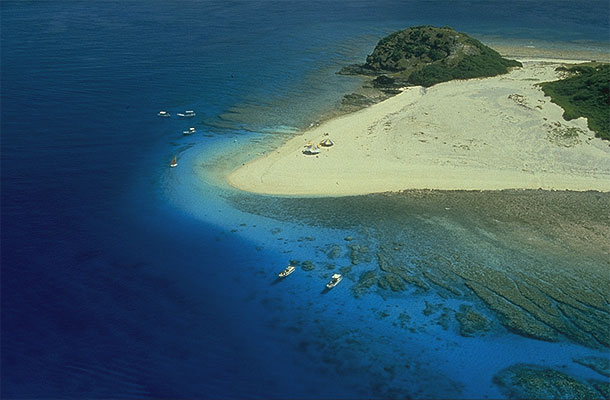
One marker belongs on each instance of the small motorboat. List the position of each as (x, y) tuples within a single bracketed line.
[(287, 271), (189, 132), (187, 114), (174, 163), (164, 114), (334, 281)]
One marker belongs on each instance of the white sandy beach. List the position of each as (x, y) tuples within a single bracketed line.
[(480, 134)]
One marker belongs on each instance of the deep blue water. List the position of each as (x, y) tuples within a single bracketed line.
[(108, 290)]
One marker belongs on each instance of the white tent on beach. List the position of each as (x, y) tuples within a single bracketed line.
[(311, 150)]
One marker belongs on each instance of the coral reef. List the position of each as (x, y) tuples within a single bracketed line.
[(534, 382), (471, 322), (536, 260)]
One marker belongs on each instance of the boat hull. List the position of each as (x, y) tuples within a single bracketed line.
[(333, 283), (286, 272)]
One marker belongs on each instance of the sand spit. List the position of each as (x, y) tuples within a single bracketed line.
[(480, 134)]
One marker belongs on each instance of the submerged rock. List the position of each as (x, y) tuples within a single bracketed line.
[(432, 309), (535, 382), (404, 318), (598, 364), (471, 322), (444, 319), (333, 251), (357, 100), (359, 253), (347, 271), (308, 266), (366, 280), (392, 282)]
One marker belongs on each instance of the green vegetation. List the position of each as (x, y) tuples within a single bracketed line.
[(584, 93), (487, 63), (426, 55)]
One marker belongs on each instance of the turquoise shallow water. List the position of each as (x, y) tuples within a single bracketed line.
[(408, 342), (122, 277)]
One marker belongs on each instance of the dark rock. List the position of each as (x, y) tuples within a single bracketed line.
[(384, 81), (359, 253), (404, 319), (356, 69), (366, 280), (431, 309), (357, 100), (444, 319), (392, 282), (333, 251), (308, 266)]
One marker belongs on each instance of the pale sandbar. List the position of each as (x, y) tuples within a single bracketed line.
[(478, 134)]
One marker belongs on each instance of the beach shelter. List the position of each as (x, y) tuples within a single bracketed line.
[(326, 143), (311, 150)]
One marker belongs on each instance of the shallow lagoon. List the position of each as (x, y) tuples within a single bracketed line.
[(443, 290)]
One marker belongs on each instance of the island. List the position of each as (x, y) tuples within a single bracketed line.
[(464, 118), (426, 55)]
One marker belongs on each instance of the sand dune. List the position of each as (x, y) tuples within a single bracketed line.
[(480, 134)]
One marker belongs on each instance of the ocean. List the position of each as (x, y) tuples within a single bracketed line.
[(123, 278)]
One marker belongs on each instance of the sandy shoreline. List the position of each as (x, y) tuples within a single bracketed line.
[(481, 134)]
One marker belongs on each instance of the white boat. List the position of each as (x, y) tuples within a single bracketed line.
[(334, 281), (287, 271), (189, 132), (174, 163), (187, 114), (164, 114)]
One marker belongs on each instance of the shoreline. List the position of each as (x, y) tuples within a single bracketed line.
[(435, 139)]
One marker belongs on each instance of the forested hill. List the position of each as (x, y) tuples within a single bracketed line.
[(426, 55)]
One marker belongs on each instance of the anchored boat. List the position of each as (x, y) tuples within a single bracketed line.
[(174, 163), (187, 114), (334, 281), (163, 114), (287, 271), (189, 132)]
